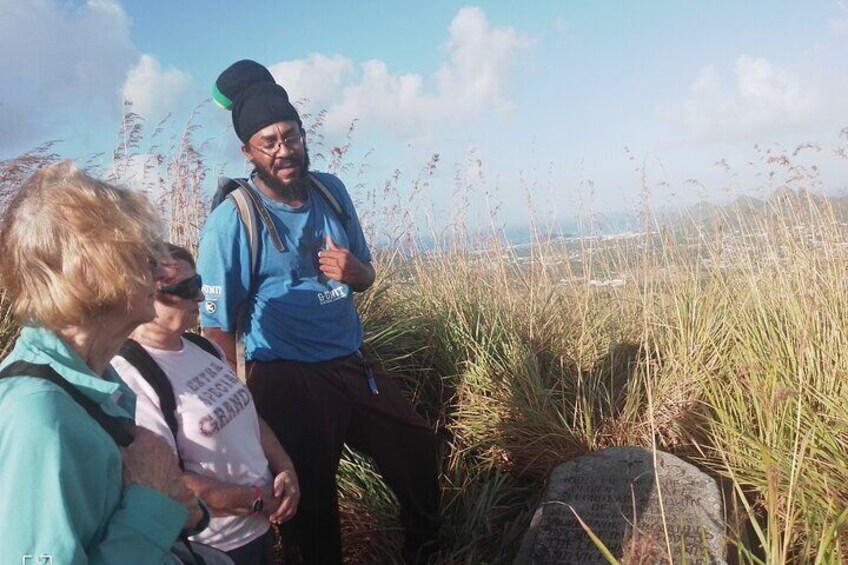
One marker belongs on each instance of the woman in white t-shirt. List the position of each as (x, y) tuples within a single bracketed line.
[(231, 458)]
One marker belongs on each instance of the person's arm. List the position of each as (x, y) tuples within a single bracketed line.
[(225, 340), (151, 428), (83, 514), (280, 498), (228, 499), (223, 260), (368, 278), (286, 487), (150, 461)]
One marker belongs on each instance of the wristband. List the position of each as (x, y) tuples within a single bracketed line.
[(258, 503)]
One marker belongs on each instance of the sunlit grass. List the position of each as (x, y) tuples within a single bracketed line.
[(721, 339)]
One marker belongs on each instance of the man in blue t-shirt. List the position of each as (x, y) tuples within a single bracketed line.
[(301, 332)]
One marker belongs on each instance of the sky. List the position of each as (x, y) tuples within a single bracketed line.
[(540, 108)]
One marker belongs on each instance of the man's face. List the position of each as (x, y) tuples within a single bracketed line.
[(279, 154)]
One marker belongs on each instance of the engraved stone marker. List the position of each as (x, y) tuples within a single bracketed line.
[(615, 493)]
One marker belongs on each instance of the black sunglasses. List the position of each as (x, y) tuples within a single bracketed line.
[(189, 288)]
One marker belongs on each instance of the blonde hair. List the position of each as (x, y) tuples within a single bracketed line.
[(73, 248)]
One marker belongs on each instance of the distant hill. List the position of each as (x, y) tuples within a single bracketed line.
[(783, 203)]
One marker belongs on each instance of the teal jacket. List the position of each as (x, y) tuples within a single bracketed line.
[(61, 486)]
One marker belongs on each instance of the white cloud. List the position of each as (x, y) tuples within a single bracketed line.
[(57, 57), (153, 91), (839, 25), (107, 6), (765, 99), (480, 62), (384, 99), (560, 26), (316, 78)]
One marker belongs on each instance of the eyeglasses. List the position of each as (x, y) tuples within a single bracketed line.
[(292, 141), (190, 288)]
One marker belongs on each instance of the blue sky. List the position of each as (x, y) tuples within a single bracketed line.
[(567, 102)]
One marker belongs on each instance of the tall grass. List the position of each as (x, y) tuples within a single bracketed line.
[(719, 337), (726, 345)]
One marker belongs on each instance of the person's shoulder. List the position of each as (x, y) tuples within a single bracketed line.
[(331, 181), (203, 347), (223, 212), (337, 188), (223, 218), (37, 406), (15, 390), (132, 377)]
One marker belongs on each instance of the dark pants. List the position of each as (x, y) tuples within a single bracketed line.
[(257, 552), (315, 408)]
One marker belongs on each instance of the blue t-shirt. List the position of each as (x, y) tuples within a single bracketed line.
[(296, 313)]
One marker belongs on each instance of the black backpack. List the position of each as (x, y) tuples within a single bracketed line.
[(151, 372)]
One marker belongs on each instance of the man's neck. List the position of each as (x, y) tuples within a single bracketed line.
[(294, 196)]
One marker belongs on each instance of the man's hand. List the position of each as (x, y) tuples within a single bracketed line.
[(339, 264)]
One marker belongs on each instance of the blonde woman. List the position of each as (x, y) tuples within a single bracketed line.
[(78, 259)]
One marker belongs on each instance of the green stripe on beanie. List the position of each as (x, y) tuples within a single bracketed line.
[(237, 78), (220, 98), (255, 100)]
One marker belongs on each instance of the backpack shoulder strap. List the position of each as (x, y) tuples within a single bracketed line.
[(151, 372), (116, 427), (247, 200), (249, 218), (251, 210), (330, 199), (203, 344)]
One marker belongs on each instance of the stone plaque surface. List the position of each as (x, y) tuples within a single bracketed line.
[(615, 492)]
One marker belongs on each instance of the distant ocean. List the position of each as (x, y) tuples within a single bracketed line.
[(522, 234)]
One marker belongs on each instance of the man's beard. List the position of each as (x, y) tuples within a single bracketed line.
[(295, 189)]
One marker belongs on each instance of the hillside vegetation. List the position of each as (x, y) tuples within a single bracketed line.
[(720, 338)]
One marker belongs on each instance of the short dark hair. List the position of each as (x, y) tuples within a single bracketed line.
[(181, 254)]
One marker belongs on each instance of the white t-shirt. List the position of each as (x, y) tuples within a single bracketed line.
[(218, 430)]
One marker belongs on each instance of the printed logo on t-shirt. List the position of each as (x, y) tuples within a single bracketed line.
[(330, 296), (210, 307), (211, 289), (223, 393)]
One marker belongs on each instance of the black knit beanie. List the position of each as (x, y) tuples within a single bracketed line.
[(248, 90)]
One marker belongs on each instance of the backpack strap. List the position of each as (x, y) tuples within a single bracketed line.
[(203, 344), (254, 201), (251, 210), (151, 372), (117, 428), (330, 199)]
